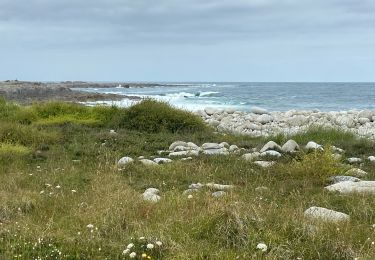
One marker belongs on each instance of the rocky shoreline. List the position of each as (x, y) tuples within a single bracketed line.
[(25, 92), (260, 122)]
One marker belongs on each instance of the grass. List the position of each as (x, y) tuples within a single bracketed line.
[(47, 199)]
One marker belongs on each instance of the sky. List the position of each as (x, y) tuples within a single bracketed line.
[(187, 40)]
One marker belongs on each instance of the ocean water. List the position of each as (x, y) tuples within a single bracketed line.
[(243, 96)]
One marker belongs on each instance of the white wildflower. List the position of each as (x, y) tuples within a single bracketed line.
[(41, 192), (126, 251), (262, 247), (74, 191), (159, 243), (142, 238), (90, 226), (130, 246), (58, 187), (190, 196), (150, 246), (133, 255)]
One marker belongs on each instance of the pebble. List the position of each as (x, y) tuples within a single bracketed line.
[(125, 160), (354, 160), (151, 195)]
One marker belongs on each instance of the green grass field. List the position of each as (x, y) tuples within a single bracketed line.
[(58, 174)]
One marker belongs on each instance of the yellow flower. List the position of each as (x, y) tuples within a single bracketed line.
[(149, 257), (144, 255)]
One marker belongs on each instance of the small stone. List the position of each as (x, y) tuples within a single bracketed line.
[(187, 159), (162, 160), (207, 146), (271, 145), (233, 148), (218, 194), (124, 160), (371, 158), (271, 153), (196, 185), (219, 186), (181, 153), (220, 151), (264, 119), (189, 191), (318, 213), (290, 146), (150, 195), (250, 156), (264, 164), (313, 146), (259, 110), (354, 160), (148, 162), (177, 143), (262, 247)]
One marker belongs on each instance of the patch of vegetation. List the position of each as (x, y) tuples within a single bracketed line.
[(74, 203), (153, 116)]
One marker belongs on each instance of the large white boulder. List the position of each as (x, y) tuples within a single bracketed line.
[(125, 160), (328, 215), (347, 187)]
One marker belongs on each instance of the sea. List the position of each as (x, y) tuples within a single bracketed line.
[(245, 95)]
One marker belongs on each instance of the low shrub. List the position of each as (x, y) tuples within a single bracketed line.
[(154, 116)]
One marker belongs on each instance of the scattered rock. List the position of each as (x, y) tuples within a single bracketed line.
[(271, 145), (313, 146), (210, 111), (177, 143), (220, 151), (250, 156), (371, 158), (356, 172), (181, 153), (207, 146), (347, 187), (151, 195), (219, 186), (354, 160), (264, 119), (193, 146), (112, 132), (318, 213), (218, 194), (336, 149), (259, 110), (196, 185), (290, 146), (234, 148), (148, 162), (187, 159), (271, 153), (342, 178), (162, 160), (264, 164), (125, 160)]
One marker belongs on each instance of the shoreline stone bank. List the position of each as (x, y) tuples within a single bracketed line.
[(260, 122)]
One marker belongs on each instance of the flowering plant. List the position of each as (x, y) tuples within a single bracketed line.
[(143, 248)]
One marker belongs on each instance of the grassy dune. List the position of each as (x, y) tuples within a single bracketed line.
[(58, 175)]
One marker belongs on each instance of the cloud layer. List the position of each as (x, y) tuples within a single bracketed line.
[(269, 33)]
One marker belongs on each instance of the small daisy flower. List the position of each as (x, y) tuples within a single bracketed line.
[(159, 243), (190, 196), (74, 191), (262, 247), (130, 246), (90, 226), (144, 255), (58, 187), (133, 255), (126, 251), (150, 246)]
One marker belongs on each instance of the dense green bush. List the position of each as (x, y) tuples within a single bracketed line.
[(154, 116)]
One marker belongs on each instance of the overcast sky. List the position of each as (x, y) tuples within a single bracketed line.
[(187, 40)]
